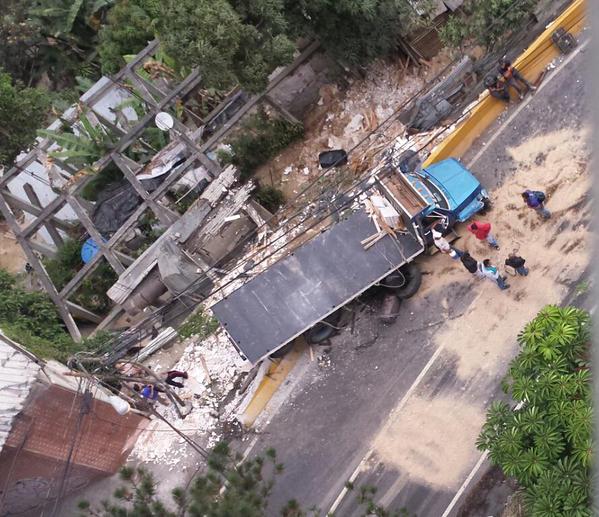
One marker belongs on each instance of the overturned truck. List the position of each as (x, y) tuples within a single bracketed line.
[(384, 235)]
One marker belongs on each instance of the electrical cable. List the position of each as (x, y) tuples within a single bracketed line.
[(390, 118), (159, 312)]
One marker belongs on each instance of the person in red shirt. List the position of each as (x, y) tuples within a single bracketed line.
[(482, 231)]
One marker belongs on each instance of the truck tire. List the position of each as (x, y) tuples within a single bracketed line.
[(413, 281), (323, 330)]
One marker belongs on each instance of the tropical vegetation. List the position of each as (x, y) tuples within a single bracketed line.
[(545, 442), (229, 487)]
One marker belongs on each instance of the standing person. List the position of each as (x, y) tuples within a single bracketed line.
[(482, 231), (535, 199), (514, 78), (517, 262), (174, 374), (492, 273), (497, 88), (469, 263), (442, 244)]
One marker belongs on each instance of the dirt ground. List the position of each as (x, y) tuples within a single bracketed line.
[(344, 116), (12, 257)]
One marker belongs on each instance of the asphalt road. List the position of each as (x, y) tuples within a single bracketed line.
[(324, 429)]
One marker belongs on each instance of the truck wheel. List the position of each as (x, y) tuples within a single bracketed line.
[(486, 206), (413, 281), (324, 329)]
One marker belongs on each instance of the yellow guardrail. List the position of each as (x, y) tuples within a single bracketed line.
[(530, 63)]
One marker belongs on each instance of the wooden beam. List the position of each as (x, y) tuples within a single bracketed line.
[(95, 235), (151, 47), (83, 313), (41, 272), (115, 312), (48, 225), (17, 203), (190, 82), (310, 49), (286, 114), (51, 208), (166, 216)]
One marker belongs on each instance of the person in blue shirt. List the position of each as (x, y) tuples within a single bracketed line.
[(535, 199), (486, 270)]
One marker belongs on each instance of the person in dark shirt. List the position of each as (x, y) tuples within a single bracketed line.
[(517, 262), (469, 262), (514, 78), (497, 88), (535, 199)]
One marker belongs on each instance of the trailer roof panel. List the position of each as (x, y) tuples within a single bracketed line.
[(315, 280)]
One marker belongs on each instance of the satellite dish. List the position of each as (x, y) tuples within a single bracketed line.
[(164, 121)]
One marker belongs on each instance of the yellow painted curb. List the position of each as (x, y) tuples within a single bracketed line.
[(531, 62), (277, 373)]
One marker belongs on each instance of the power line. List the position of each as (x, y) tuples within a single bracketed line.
[(158, 313)]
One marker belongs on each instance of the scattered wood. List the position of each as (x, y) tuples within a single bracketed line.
[(374, 241), (166, 336)]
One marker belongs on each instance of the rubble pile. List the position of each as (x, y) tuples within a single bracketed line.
[(206, 390)]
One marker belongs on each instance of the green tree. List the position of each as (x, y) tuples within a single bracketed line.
[(545, 442), (231, 42), (22, 111), (129, 28), (230, 487), (357, 31), (486, 21)]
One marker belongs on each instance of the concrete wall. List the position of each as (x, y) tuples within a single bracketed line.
[(298, 91)]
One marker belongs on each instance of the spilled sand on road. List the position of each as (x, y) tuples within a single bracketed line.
[(433, 440), (557, 250), (412, 442)]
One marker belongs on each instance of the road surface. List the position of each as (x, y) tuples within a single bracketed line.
[(369, 416)]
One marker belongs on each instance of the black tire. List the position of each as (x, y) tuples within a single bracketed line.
[(414, 280), (395, 280), (283, 351), (324, 329)]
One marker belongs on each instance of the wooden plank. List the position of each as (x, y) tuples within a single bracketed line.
[(83, 313), (49, 226), (41, 272), (95, 235), (51, 208), (20, 204)]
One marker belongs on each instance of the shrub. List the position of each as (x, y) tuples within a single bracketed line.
[(270, 198), (259, 139), (199, 324), (487, 21)]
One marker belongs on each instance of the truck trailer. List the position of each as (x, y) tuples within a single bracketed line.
[(304, 288)]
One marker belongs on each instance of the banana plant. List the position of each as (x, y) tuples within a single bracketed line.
[(84, 145)]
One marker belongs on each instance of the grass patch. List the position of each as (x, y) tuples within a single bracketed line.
[(199, 324)]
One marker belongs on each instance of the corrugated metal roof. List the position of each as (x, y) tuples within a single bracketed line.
[(18, 373)]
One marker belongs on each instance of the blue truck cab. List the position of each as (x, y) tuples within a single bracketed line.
[(450, 194)]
